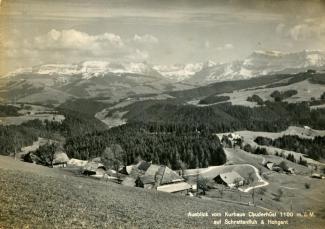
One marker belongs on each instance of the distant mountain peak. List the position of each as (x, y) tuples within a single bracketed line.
[(260, 62)]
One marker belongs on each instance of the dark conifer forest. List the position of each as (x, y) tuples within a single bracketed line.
[(314, 148)]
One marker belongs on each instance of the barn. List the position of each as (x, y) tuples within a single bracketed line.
[(231, 179), (162, 178)]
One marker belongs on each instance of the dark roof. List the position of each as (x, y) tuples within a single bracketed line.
[(143, 165), (163, 174), (147, 179), (231, 177), (93, 166)]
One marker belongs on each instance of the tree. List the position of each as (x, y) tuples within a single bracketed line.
[(302, 161), (113, 157), (307, 185), (283, 165), (226, 141), (237, 182), (248, 148), (45, 154), (202, 184)]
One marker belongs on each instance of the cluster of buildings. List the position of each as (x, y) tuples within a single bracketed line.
[(151, 176)]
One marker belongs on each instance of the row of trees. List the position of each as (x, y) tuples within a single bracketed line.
[(314, 148), (279, 96)]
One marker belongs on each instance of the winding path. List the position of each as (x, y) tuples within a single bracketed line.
[(260, 179)]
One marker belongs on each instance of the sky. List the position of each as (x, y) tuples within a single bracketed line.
[(161, 32)]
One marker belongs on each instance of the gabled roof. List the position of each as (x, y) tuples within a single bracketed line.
[(170, 176), (164, 175), (270, 165), (143, 165), (231, 177), (147, 179), (93, 166), (60, 157), (175, 187), (77, 162), (154, 170)]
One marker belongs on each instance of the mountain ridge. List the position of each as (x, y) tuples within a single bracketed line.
[(258, 63)]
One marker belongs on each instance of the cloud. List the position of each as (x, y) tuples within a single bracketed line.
[(207, 44), (58, 45), (138, 55), (73, 39), (309, 29), (227, 46), (147, 39)]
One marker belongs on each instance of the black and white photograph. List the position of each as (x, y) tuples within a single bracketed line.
[(162, 114)]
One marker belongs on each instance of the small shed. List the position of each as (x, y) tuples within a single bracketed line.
[(290, 170), (269, 165), (231, 179), (316, 175)]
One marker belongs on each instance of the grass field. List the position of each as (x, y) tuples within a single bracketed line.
[(250, 136), (37, 196), (33, 196)]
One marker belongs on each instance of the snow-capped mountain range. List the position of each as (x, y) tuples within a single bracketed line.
[(258, 63), (88, 69)]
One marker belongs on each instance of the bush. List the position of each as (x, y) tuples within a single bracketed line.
[(256, 98), (248, 148), (290, 157), (278, 195), (322, 96), (279, 96), (283, 165), (261, 151), (307, 186), (214, 99)]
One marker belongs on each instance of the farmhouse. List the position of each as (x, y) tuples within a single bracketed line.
[(60, 159), (274, 167), (93, 168), (179, 187), (77, 162), (141, 166), (231, 179), (162, 178)]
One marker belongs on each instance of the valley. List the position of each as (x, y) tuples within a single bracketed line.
[(101, 137)]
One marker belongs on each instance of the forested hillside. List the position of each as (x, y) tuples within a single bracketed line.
[(14, 137), (169, 145), (273, 116)]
